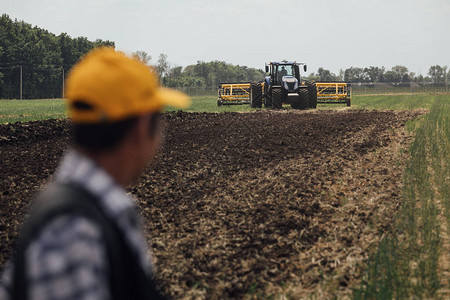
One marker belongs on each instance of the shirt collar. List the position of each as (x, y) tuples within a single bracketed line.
[(78, 168)]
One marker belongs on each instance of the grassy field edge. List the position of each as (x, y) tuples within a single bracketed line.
[(12, 111), (410, 260)]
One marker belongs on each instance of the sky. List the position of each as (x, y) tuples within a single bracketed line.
[(330, 34)]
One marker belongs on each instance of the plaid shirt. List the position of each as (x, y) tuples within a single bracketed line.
[(67, 259)]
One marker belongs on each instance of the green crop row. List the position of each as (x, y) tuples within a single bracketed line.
[(405, 264)]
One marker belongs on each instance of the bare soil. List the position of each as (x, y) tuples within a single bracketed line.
[(244, 205)]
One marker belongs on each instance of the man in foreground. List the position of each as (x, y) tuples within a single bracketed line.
[(83, 239)]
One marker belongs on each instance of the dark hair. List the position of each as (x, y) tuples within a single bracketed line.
[(102, 136), (106, 136)]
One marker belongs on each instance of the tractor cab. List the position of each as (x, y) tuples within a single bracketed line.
[(278, 70), (284, 70)]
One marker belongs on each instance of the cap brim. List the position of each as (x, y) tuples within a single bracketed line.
[(173, 98)]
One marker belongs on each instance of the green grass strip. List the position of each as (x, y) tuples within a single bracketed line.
[(12, 111), (395, 102), (405, 265)]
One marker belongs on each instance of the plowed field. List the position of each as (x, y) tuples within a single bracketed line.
[(244, 204)]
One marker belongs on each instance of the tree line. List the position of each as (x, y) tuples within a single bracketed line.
[(37, 61), (209, 74), (34, 62), (201, 75), (437, 75)]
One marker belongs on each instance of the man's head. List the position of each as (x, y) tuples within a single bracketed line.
[(114, 102), (107, 86)]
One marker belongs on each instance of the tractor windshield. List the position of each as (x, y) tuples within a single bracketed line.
[(283, 70)]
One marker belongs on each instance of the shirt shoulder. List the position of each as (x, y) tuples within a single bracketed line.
[(68, 260)]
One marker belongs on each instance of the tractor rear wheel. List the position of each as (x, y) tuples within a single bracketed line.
[(312, 91), (276, 99), (267, 97)]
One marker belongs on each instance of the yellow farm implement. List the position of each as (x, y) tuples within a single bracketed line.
[(334, 92), (234, 93)]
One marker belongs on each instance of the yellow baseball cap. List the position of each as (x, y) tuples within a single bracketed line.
[(108, 86)]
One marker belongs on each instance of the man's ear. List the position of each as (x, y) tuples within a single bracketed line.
[(139, 132), (142, 127)]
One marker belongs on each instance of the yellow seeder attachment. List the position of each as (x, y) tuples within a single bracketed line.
[(234, 93), (334, 92)]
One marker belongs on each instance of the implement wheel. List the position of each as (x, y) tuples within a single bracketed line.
[(276, 99), (256, 95)]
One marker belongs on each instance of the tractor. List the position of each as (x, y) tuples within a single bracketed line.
[(284, 86)]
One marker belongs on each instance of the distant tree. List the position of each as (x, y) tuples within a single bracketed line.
[(398, 74), (142, 56), (312, 76), (419, 78), (218, 71), (340, 77), (162, 66), (326, 75), (175, 72), (374, 74), (438, 74), (401, 73), (69, 54), (185, 82), (100, 42), (354, 74), (391, 76)]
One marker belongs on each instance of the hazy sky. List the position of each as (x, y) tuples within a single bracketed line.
[(323, 33)]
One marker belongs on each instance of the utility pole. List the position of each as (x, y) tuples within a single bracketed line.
[(20, 82), (63, 82), (446, 74)]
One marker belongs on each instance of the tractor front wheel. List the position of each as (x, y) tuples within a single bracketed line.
[(304, 98), (276, 99)]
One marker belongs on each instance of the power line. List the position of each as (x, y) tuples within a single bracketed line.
[(9, 68), (35, 66), (33, 69)]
